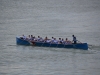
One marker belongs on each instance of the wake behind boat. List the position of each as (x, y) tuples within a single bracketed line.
[(50, 43)]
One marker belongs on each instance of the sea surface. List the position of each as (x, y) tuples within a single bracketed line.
[(57, 18)]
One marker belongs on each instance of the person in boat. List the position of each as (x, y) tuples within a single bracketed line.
[(32, 38), (35, 39), (38, 39), (23, 37), (60, 41), (41, 39), (46, 38), (74, 39), (67, 41), (48, 41), (52, 40), (29, 37), (55, 41)]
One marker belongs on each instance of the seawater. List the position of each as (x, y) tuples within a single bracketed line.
[(57, 18)]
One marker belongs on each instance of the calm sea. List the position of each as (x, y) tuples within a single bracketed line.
[(57, 18)]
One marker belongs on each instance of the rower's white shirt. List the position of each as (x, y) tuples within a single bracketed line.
[(24, 37), (60, 40), (35, 39), (41, 39), (48, 41), (29, 38), (55, 41), (52, 39), (38, 38)]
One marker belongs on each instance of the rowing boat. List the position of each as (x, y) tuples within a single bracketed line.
[(83, 46)]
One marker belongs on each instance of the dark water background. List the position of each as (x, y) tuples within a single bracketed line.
[(57, 18)]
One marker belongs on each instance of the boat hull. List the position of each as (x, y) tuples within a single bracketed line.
[(83, 46), (20, 41)]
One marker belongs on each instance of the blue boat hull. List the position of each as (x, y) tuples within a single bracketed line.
[(83, 46), (20, 41)]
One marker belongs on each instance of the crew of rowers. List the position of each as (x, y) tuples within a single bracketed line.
[(32, 38)]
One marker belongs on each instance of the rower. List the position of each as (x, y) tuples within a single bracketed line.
[(23, 37), (41, 39), (32, 38), (60, 41), (38, 39), (52, 40), (29, 37), (67, 41), (35, 39), (46, 38), (55, 41)]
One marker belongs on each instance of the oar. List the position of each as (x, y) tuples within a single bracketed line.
[(79, 41)]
